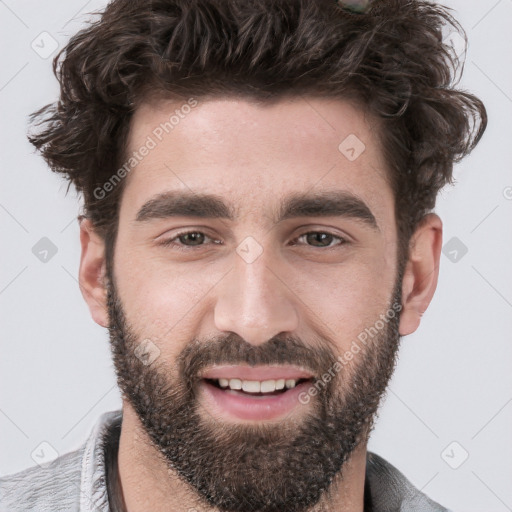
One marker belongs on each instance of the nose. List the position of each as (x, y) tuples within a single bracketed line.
[(255, 301)]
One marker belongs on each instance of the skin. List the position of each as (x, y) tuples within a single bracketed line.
[(252, 156)]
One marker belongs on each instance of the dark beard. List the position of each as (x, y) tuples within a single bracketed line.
[(265, 467)]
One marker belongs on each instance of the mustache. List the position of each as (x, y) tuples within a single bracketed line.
[(234, 350)]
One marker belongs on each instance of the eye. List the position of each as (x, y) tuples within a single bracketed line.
[(196, 239), (323, 237)]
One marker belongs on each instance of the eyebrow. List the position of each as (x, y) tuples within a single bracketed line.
[(210, 206)]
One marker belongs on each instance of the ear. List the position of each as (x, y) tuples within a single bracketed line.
[(421, 272), (92, 272)]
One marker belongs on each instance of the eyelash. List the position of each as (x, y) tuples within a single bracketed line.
[(181, 247)]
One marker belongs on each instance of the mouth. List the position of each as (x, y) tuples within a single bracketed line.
[(252, 394), (271, 387)]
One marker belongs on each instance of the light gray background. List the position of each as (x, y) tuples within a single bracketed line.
[(454, 378)]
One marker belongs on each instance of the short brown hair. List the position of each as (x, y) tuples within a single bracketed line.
[(391, 59)]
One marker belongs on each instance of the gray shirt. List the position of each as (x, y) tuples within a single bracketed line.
[(77, 481)]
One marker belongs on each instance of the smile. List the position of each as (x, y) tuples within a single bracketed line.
[(256, 387), (243, 393)]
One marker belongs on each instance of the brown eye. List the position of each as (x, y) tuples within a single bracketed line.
[(321, 239), (187, 240), (194, 237)]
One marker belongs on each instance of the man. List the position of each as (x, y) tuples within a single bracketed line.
[(257, 236)]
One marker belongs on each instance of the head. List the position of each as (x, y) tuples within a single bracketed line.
[(305, 144)]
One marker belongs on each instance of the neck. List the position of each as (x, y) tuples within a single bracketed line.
[(147, 483)]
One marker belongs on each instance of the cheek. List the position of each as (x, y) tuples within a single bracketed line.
[(352, 305), (162, 301), (345, 300)]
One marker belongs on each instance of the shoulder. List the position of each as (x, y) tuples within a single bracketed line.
[(51, 486), (73, 482), (391, 490)]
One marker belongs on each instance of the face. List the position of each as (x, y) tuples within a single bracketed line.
[(256, 249)]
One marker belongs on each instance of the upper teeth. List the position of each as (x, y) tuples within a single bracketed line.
[(256, 386)]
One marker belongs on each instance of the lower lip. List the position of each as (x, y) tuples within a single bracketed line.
[(235, 406)]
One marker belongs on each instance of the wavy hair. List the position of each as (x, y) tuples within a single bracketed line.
[(392, 59)]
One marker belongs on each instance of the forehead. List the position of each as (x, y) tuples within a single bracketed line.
[(252, 154)]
